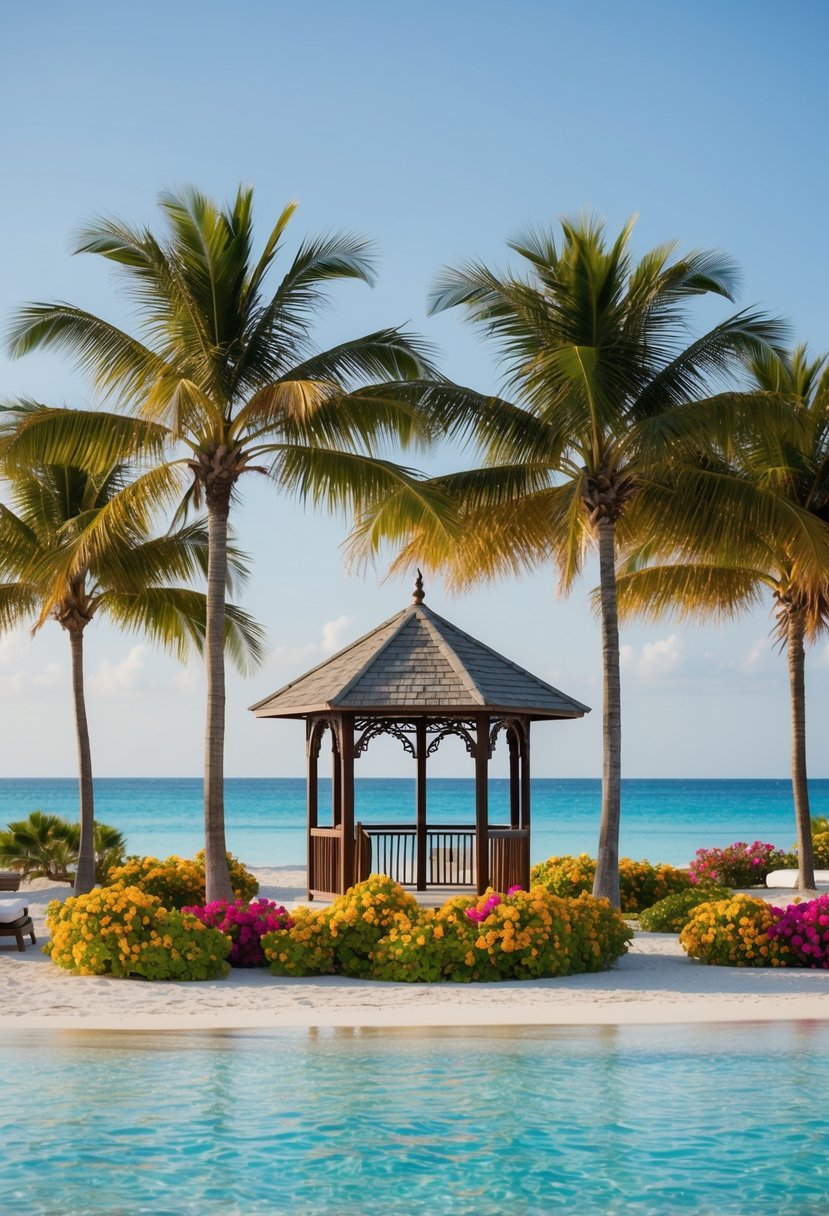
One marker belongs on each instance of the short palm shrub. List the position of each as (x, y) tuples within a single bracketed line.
[(737, 865), (671, 914), (179, 881), (804, 929), (378, 930), (245, 923), (124, 931), (640, 883), (734, 932), (46, 846)]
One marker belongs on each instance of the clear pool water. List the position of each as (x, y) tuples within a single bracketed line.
[(703, 1120)]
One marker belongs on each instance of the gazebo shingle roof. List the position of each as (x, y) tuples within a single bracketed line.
[(418, 661)]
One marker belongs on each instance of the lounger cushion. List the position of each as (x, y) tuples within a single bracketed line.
[(788, 878), (11, 909)]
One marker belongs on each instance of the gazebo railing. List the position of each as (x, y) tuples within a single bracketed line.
[(509, 857), (450, 854), (324, 860), (391, 849)]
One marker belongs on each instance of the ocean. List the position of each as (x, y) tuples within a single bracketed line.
[(663, 821)]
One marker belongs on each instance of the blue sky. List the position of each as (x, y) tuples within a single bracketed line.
[(438, 130)]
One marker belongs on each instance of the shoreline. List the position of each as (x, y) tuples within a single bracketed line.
[(654, 984)]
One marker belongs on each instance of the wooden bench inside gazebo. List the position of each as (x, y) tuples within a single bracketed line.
[(420, 679)]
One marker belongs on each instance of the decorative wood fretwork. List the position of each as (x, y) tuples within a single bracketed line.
[(515, 729), (441, 729), (315, 737), (381, 726)]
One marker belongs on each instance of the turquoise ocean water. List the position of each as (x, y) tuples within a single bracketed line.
[(661, 820)]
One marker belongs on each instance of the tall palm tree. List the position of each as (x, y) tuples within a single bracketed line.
[(733, 574), (607, 392), (228, 372), (49, 572)]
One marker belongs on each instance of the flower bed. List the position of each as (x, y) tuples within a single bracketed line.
[(378, 930), (737, 865), (124, 931), (245, 924), (179, 881), (804, 929), (640, 883), (734, 932)]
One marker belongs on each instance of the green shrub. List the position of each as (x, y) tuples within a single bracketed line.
[(640, 883), (671, 914), (123, 931), (733, 932), (178, 881), (820, 848), (46, 846)]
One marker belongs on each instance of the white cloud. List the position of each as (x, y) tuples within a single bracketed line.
[(14, 645), (51, 677), (295, 659), (655, 660), (112, 679), (754, 660), (334, 634)]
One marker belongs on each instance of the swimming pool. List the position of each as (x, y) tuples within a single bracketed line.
[(692, 1119)]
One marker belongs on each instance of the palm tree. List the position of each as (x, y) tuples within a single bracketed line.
[(229, 373), (50, 572), (608, 394), (46, 846), (724, 578)]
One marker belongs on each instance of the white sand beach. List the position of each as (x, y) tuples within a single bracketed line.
[(654, 983)]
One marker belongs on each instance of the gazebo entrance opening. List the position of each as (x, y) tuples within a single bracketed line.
[(418, 854)]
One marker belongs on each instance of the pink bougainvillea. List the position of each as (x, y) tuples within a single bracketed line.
[(245, 924), (805, 929), (737, 865)]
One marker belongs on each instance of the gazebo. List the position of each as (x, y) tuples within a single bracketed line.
[(418, 678)]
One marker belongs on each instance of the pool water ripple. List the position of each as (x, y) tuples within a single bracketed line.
[(648, 1122)]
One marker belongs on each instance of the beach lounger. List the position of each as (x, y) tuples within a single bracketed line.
[(9, 880), (15, 921)]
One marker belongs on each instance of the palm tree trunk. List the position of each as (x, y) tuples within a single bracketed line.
[(217, 877), (795, 629), (606, 882), (85, 874)]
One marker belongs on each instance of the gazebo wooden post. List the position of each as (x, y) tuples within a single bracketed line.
[(312, 752), (482, 802), (514, 745), (336, 777), (420, 801), (525, 776), (524, 749), (346, 732)]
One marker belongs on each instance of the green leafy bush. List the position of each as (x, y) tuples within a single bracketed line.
[(733, 932), (46, 846), (124, 931), (671, 914), (179, 881), (820, 848), (640, 884)]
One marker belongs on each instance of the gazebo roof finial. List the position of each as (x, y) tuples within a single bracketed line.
[(418, 594)]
